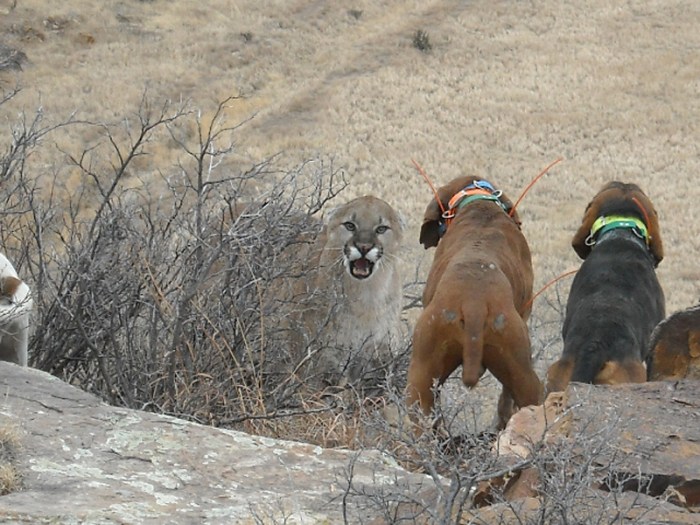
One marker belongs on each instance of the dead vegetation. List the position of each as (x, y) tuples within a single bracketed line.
[(165, 290), (10, 444)]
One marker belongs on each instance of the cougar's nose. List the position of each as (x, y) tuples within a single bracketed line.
[(363, 247)]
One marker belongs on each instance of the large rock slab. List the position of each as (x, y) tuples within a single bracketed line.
[(84, 461), (641, 439)]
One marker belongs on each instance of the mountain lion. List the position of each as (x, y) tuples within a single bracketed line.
[(353, 328)]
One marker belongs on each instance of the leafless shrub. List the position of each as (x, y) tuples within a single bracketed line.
[(421, 41), (11, 58), (166, 289), (579, 479)]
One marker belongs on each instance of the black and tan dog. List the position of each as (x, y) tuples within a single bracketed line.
[(476, 299), (616, 299), (674, 349)]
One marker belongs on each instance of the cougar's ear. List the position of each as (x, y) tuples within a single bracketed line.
[(400, 224), (432, 222), (579, 240), (330, 214)]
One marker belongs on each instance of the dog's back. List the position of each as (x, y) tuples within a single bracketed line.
[(616, 299), (476, 299), (614, 303), (492, 239), (15, 308)]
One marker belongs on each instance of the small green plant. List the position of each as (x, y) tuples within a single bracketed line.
[(421, 41), (355, 13)]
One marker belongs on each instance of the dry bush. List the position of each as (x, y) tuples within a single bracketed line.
[(10, 442), (166, 290), (11, 58), (578, 480), (421, 41), (175, 289)]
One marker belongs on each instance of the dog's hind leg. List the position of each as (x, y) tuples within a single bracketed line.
[(507, 356), (506, 408), (433, 359), (615, 373)]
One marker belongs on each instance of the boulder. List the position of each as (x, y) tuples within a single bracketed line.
[(591, 453), (634, 448), (83, 461)]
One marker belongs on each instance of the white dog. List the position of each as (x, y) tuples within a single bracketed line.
[(15, 307)]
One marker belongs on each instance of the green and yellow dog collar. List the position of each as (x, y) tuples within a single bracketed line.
[(605, 223)]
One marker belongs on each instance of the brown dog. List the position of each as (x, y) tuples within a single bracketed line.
[(674, 349), (615, 299), (476, 299)]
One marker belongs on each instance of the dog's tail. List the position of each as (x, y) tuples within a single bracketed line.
[(472, 342)]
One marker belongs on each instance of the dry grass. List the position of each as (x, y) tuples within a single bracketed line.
[(506, 89), (10, 443)]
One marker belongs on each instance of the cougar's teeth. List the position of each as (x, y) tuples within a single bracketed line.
[(361, 268)]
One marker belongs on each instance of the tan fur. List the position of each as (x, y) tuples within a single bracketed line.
[(611, 373), (675, 347), (559, 375), (616, 372), (476, 303), (356, 319), (9, 286)]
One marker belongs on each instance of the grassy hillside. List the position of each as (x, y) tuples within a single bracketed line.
[(499, 89)]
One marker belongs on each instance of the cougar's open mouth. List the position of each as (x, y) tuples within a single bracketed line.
[(361, 268)]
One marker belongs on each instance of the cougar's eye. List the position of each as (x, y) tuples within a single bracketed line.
[(349, 226), (382, 229)]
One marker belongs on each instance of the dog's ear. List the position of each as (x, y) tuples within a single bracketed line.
[(656, 246), (508, 205), (579, 241), (432, 223), (8, 286)]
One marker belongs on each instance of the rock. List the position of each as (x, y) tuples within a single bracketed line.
[(84, 461), (640, 441), (639, 509), (630, 452), (656, 431)]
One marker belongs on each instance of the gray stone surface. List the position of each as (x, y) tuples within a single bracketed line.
[(86, 462)]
